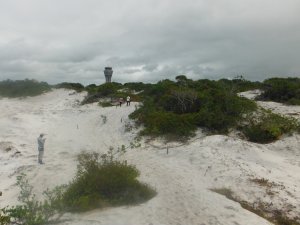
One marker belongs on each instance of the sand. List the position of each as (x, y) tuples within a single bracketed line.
[(183, 178)]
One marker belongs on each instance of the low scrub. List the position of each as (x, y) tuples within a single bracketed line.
[(105, 104), (269, 127), (22, 88), (32, 211), (179, 108), (284, 90), (4, 218), (102, 181), (73, 86), (169, 124)]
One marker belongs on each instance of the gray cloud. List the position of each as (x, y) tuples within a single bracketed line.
[(148, 40)]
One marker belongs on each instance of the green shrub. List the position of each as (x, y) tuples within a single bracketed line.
[(101, 181), (239, 84), (108, 89), (284, 90), (269, 127), (177, 109), (32, 211), (22, 88), (4, 218), (222, 110), (105, 104), (73, 86), (169, 124)]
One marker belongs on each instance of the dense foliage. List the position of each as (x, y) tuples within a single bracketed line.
[(285, 90), (178, 108), (239, 84), (22, 88)]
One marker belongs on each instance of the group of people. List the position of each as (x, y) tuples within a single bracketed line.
[(127, 101)]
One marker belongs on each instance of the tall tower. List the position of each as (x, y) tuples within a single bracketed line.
[(108, 74)]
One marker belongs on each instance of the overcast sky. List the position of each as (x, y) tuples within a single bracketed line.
[(148, 40)]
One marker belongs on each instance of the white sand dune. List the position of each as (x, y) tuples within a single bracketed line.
[(183, 178)]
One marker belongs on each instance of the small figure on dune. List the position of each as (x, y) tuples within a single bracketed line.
[(120, 101), (128, 100), (41, 143)]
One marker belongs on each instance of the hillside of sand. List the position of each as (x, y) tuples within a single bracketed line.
[(182, 174)]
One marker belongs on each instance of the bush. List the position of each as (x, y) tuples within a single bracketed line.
[(222, 110), (105, 104), (239, 84), (102, 181), (4, 218), (177, 109), (169, 124), (108, 89), (284, 90), (269, 127), (73, 86), (22, 88), (32, 211)]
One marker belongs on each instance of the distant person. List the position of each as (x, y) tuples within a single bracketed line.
[(120, 101), (128, 100), (41, 143)]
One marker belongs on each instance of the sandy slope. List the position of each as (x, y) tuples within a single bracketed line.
[(183, 178)]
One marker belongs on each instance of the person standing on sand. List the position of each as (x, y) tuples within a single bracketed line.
[(128, 100), (41, 143)]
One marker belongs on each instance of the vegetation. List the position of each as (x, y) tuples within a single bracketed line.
[(105, 104), (101, 181), (4, 218), (32, 211), (275, 216), (22, 88), (175, 109), (268, 127), (107, 90), (240, 84), (178, 108), (73, 86), (284, 90)]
